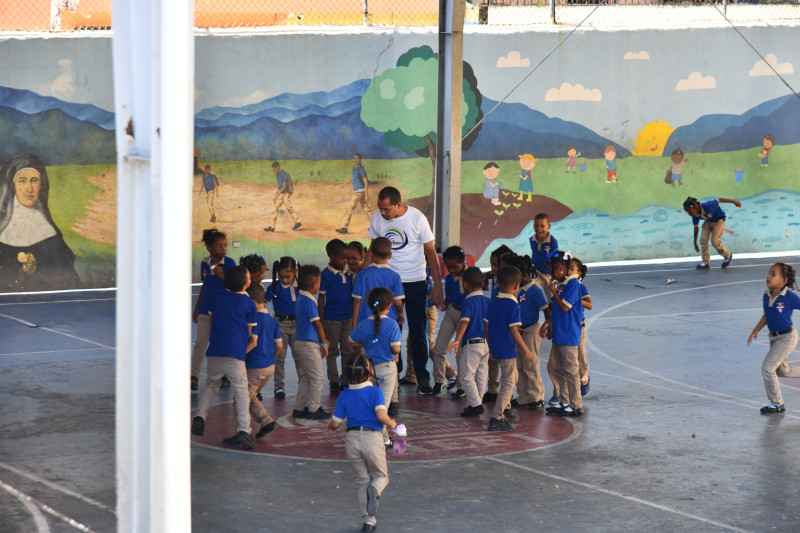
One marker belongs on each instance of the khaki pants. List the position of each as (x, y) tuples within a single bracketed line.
[(200, 344), (257, 378), (308, 362), (447, 330), (288, 328), (508, 379), (367, 457), (715, 230), (210, 202), (583, 363), (216, 368), (388, 372), (776, 364), (358, 198), (566, 374), (473, 371), (283, 201), (449, 371), (544, 282), (338, 331), (529, 383)]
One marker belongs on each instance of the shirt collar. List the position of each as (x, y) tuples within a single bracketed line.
[(772, 299), (381, 265), (306, 293), (527, 285), (506, 295), (265, 311), (567, 279), (357, 386), (474, 293), (338, 273)]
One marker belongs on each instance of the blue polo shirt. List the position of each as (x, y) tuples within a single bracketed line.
[(231, 314), (584, 295), (710, 211), (567, 326), (531, 301), (283, 297), (495, 290), (379, 348), (503, 313), (539, 251), (282, 178), (358, 404), (210, 182), (779, 310), (359, 175), (337, 286), (377, 276), (211, 283), (454, 289), (306, 314), (474, 310), (268, 331)]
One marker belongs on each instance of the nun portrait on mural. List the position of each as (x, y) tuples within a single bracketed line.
[(33, 254)]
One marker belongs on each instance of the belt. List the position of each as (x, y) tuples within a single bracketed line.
[(776, 333), (526, 326), (361, 428), (474, 341), (456, 307), (281, 317)]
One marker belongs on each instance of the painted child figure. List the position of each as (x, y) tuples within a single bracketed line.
[(572, 153), (364, 407), (283, 295), (491, 188), (209, 183), (713, 218), (769, 142), (472, 351), (380, 338), (610, 154), (455, 262), (502, 331), (526, 162), (282, 197), (779, 302), (335, 306), (677, 166), (260, 361)]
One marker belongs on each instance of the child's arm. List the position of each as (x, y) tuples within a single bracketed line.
[(333, 425), (396, 352), (696, 231), (355, 344), (587, 302), (323, 340), (737, 203), (278, 345), (321, 306), (462, 328), (522, 346), (252, 342), (384, 419), (196, 312), (545, 331), (754, 334), (356, 307), (561, 303), (398, 306)]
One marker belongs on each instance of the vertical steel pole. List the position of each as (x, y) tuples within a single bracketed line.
[(441, 184)]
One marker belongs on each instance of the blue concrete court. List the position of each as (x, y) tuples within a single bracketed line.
[(672, 439)]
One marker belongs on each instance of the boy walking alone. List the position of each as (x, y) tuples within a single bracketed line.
[(283, 197)]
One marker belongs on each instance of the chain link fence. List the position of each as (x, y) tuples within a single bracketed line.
[(72, 15)]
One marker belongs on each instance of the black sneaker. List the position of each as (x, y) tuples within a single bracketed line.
[(368, 528), (279, 393), (458, 394), (501, 425), (772, 408), (451, 383), (703, 266), (490, 397), (319, 414), (389, 444), (242, 438), (343, 231), (372, 500), (335, 389), (438, 388), (423, 389), (300, 413), (405, 381), (269, 228), (471, 411), (198, 426), (267, 428), (727, 262), (195, 383), (214, 218), (226, 382), (393, 409), (533, 405), (511, 415), (514, 402), (296, 226), (554, 408), (259, 396)]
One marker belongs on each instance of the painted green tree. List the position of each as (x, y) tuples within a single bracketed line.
[(401, 103)]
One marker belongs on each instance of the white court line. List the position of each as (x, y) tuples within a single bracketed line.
[(687, 313), (54, 351), (38, 517), (29, 324), (60, 301), (43, 506), (620, 495)]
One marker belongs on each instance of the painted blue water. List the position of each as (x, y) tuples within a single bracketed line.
[(766, 222)]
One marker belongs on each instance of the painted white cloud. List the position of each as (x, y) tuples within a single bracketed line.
[(252, 98), (63, 86), (696, 81), (513, 59), (567, 91), (761, 68), (643, 55), (415, 98)]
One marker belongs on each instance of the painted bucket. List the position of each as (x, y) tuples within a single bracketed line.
[(739, 174), (583, 166)]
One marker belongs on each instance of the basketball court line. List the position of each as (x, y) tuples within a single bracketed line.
[(619, 495), (5, 304), (36, 514), (46, 508), (626, 317), (31, 325), (48, 352)]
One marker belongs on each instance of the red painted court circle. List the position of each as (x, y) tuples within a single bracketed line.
[(436, 431)]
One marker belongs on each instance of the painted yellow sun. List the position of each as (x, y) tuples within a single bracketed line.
[(652, 138)]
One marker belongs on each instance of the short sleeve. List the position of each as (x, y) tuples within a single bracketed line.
[(397, 289), (379, 398), (355, 334), (793, 299), (394, 336), (313, 313), (423, 228), (358, 286), (572, 292), (514, 316), (373, 228), (324, 282), (339, 412), (251, 312), (268, 294), (539, 299)]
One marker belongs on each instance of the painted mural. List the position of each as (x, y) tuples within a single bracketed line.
[(294, 142)]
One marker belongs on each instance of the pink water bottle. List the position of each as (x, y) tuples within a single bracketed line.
[(399, 439)]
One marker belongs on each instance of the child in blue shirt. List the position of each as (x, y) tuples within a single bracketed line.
[(335, 306), (502, 332), (456, 263), (472, 351), (379, 335), (233, 316), (256, 265), (212, 275), (576, 267), (713, 226), (283, 295), (378, 274), (364, 408), (542, 243), (564, 328), (779, 302), (260, 361), (310, 347), (495, 258)]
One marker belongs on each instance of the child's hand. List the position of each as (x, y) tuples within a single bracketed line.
[(737, 203), (528, 355), (752, 337), (195, 316), (323, 352), (329, 431), (696, 248), (401, 319), (453, 346)]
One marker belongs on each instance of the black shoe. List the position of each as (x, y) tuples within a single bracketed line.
[(368, 528), (438, 388), (343, 231), (300, 413), (279, 393), (405, 381), (214, 218), (198, 426), (319, 414), (501, 425), (259, 396), (554, 408), (393, 409), (565, 410), (533, 405), (703, 266), (225, 382), (242, 438), (490, 397), (268, 428), (727, 262), (296, 226), (335, 389), (195, 383), (514, 402), (389, 444), (767, 409), (511, 415), (372, 500), (471, 411), (423, 389), (451, 383), (458, 394), (269, 228)]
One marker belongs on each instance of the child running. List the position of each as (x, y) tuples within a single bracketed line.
[(379, 335), (260, 361), (779, 302), (364, 407), (713, 226), (335, 307), (283, 295)]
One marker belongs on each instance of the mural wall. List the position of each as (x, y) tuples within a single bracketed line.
[(609, 136)]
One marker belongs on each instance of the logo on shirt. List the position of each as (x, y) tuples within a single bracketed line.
[(523, 298), (779, 306), (398, 238)]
